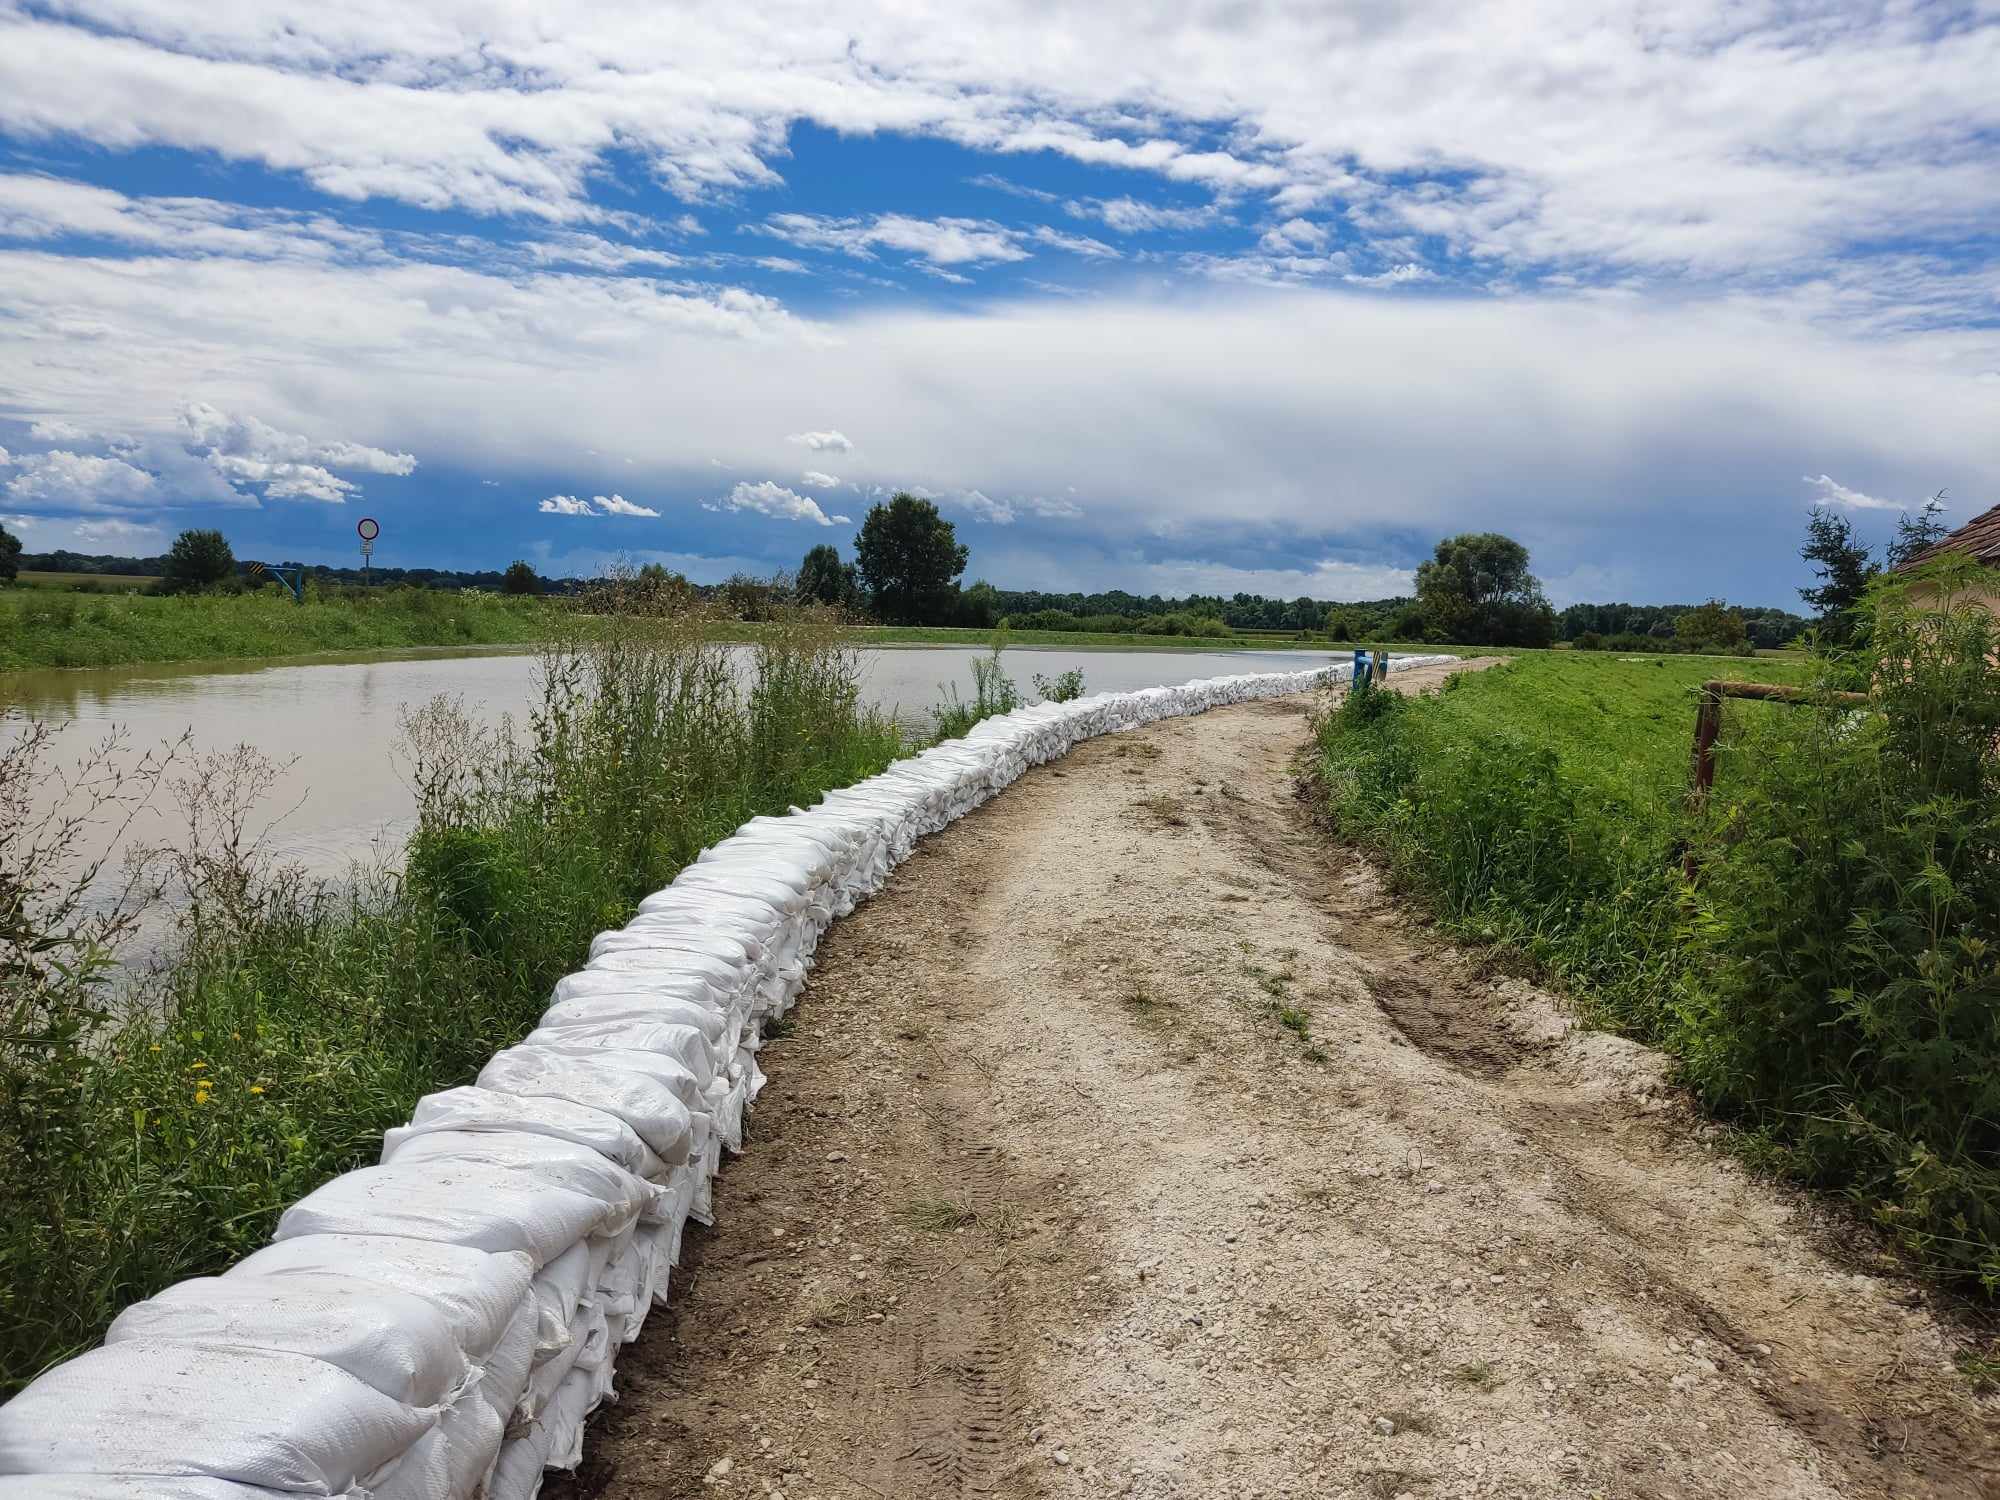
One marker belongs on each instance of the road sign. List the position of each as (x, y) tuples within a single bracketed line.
[(368, 529)]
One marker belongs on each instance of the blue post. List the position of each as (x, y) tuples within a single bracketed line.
[(1362, 671)]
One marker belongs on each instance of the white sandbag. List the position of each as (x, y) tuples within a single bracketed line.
[(125, 1487), (686, 1045), (681, 984), (252, 1416), (393, 1341), (723, 1033), (477, 1291), (654, 1100), (542, 1159), (478, 1109), (478, 1204)]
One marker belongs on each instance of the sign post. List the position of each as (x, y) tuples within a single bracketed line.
[(368, 531)]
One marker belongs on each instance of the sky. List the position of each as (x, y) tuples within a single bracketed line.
[(1170, 297)]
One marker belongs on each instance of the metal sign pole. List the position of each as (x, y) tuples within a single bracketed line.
[(367, 530)]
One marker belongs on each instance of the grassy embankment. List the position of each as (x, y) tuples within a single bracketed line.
[(1828, 980), (45, 628), (295, 1019)]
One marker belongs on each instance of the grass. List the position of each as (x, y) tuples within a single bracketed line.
[(938, 1215), (1478, 1375), (294, 1020), (40, 627), (1812, 941)]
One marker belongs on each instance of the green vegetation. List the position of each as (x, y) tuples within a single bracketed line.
[(87, 583), (1477, 587), (908, 557), (993, 692), (1828, 976), (43, 628), (159, 1135)]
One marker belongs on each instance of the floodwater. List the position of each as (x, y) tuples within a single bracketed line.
[(334, 724)]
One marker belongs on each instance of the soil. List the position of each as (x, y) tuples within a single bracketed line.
[(1132, 1143)]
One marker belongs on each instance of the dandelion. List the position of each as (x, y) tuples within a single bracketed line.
[(256, 1088), (154, 1048), (196, 1067)]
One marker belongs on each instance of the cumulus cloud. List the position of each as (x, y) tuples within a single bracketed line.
[(597, 505), (61, 480), (1401, 275), (119, 533), (819, 480), (1130, 215), (1833, 492), (823, 442), (772, 499), (618, 505)]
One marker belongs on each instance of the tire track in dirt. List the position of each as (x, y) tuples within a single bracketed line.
[(1129, 1144)]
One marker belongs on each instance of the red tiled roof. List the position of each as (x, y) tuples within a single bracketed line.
[(1980, 536)]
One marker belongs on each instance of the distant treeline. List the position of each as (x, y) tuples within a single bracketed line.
[(154, 567), (1618, 627)]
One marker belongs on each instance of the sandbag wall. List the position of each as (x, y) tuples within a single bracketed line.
[(441, 1324)]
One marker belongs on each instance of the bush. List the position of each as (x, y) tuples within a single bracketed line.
[(1842, 980), (1064, 687), (993, 692)]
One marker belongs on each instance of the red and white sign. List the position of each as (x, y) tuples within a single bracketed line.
[(368, 529)]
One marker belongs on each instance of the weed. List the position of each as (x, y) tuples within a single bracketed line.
[(1165, 811), (1477, 1374), (937, 1215)]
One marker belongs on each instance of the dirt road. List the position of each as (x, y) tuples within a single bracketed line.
[(1127, 1144)]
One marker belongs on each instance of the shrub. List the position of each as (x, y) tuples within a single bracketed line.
[(1064, 687), (993, 692)]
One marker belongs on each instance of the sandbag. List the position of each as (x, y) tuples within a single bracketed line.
[(655, 1100), (261, 1417), (477, 1109), (477, 1291), (393, 1341)]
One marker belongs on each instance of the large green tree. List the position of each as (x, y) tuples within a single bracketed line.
[(1841, 563), (197, 560), (10, 556), (909, 558), (1916, 534), (1477, 589), (520, 579), (825, 579)]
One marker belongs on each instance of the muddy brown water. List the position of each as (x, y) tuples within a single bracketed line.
[(334, 722)]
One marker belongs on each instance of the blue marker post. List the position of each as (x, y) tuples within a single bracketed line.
[(1363, 672)]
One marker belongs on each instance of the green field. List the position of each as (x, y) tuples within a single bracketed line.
[(41, 627), (115, 583)]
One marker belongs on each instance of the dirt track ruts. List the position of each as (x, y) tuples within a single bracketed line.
[(1128, 1143)]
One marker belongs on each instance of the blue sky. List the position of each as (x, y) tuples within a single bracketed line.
[(1203, 297)]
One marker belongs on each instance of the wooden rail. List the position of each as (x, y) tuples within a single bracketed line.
[(1708, 717)]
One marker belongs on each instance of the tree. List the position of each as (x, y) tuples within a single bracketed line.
[(1918, 533), (1477, 589), (1713, 626), (825, 579), (1843, 568), (10, 556), (520, 579), (197, 560), (909, 558)]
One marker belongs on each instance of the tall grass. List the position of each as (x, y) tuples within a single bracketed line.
[(1831, 977), (295, 1018)]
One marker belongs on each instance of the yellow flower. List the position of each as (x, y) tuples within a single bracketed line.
[(256, 1088), (196, 1067), (154, 1048)]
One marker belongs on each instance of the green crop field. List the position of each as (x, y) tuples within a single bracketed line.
[(108, 582)]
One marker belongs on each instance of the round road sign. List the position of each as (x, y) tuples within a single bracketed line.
[(368, 529)]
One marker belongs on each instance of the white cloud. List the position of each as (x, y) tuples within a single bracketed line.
[(50, 430), (618, 505), (1833, 492), (62, 480), (1689, 137), (248, 437), (940, 242), (823, 442), (773, 499), (1294, 235), (820, 480), (1130, 215), (597, 505), (1076, 244), (120, 533), (1401, 275)]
